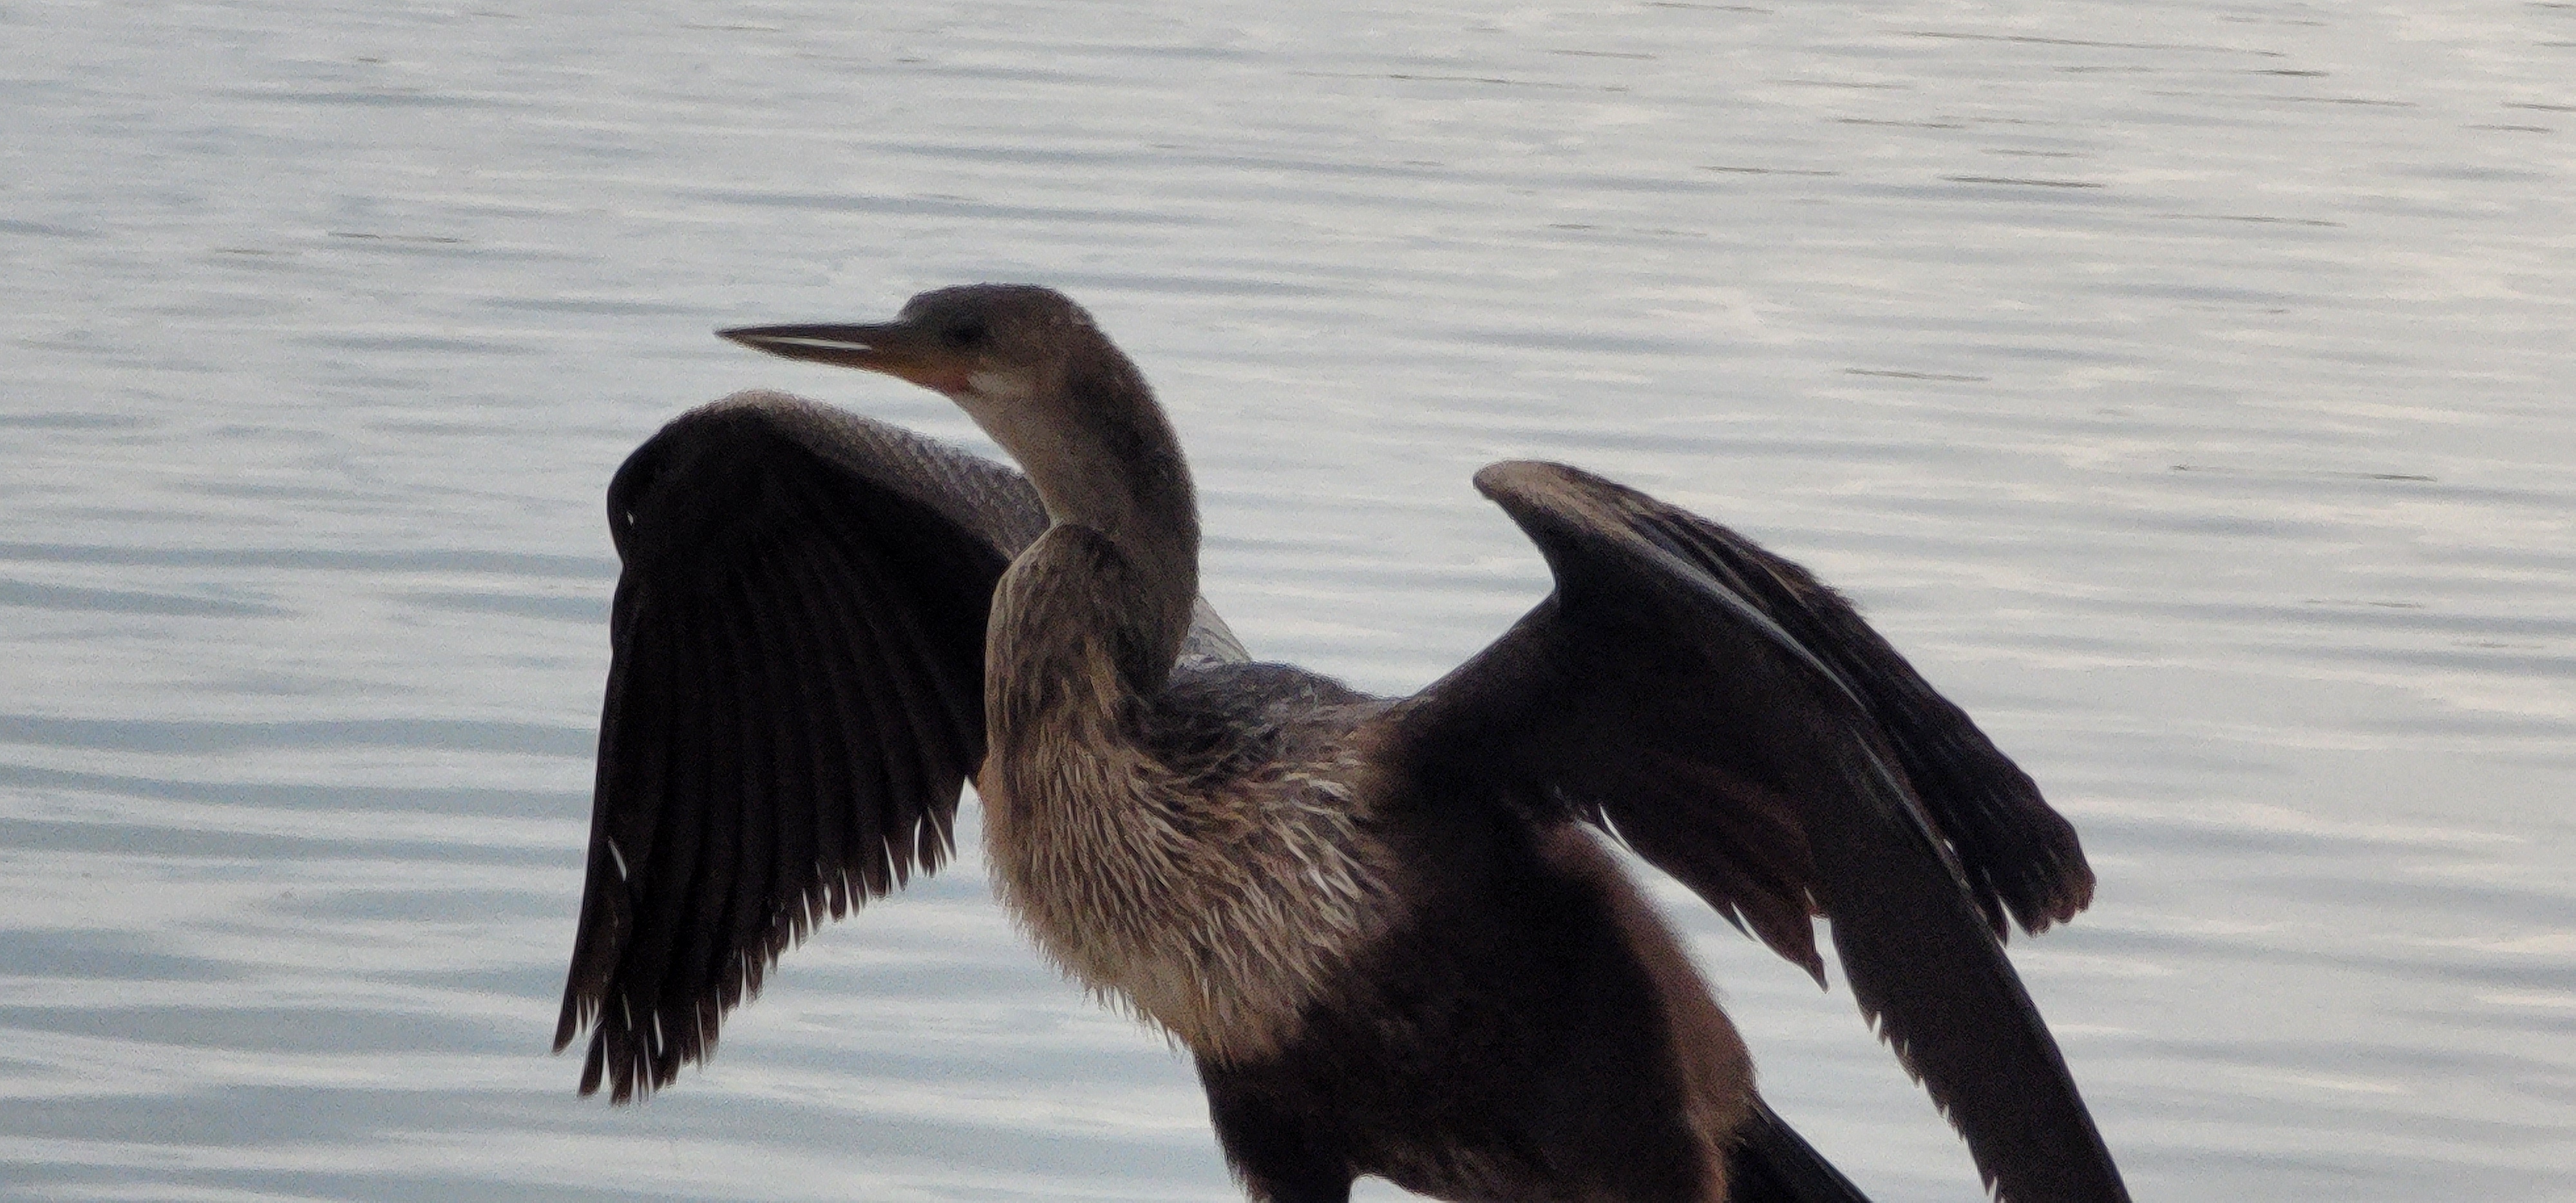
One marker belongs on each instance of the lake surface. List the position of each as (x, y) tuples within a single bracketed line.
[(2185, 386)]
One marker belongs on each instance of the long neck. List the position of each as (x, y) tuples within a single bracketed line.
[(1104, 457)]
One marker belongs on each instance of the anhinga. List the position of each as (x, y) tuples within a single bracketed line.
[(1388, 930)]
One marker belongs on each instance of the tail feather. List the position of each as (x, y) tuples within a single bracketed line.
[(1771, 1163)]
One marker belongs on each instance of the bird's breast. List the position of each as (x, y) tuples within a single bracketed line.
[(1218, 915)]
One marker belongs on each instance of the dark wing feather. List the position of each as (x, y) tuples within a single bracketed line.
[(794, 702), (2020, 856), (1741, 728)]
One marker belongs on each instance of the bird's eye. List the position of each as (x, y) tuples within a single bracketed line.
[(964, 334)]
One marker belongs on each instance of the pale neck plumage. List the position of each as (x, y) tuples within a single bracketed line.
[(1103, 456)]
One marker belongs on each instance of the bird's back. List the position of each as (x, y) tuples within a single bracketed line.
[(1217, 724)]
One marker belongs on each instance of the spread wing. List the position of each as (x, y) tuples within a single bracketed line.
[(1738, 725), (794, 700)]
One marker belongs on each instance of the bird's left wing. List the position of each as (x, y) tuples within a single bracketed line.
[(794, 701), (1740, 727)]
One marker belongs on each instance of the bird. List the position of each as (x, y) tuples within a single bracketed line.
[(1392, 935)]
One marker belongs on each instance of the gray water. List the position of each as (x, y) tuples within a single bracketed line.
[(2183, 385)]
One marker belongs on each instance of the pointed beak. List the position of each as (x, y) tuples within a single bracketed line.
[(894, 348)]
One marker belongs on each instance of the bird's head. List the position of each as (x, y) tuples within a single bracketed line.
[(1031, 368), (1038, 375), (994, 349)]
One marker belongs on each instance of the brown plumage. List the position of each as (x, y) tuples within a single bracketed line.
[(1388, 931)]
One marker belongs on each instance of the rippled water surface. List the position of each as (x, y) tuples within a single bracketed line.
[(2184, 385)]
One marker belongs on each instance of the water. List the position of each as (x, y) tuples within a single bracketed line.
[(2182, 385)]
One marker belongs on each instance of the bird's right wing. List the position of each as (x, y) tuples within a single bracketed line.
[(794, 700), (1740, 727)]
